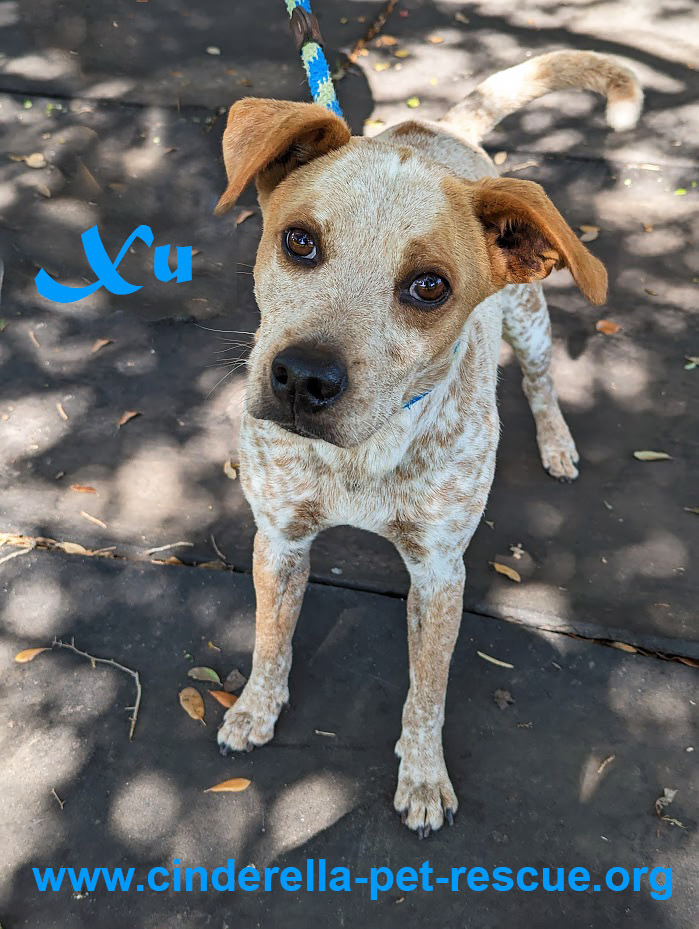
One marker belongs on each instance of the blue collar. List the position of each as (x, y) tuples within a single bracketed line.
[(414, 400)]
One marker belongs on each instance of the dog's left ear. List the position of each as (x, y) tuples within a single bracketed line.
[(526, 237), (266, 139)]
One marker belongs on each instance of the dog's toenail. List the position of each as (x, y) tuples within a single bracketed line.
[(249, 747), (224, 749), (450, 816), (404, 816)]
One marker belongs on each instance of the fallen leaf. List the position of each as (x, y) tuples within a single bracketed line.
[(653, 293), (461, 18), (324, 732), (507, 571), (400, 53), (413, 102), (607, 326), (61, 412), (224, 698), (624, 647), (35, 160), (373, 123), (43, 190), (386, 41), (93, 519), (234, 681), (213, 50), (503, 698), (242, 215), (234, 785), (647, 227), (212, 565), (213, 647), (74, 548), (692, 362), (652, 456), (204, 674), (382, 65), (435, 39), (171, 559), (229, 470), (100, 343), (500, 158), (127, 416), (500, 664), (192, 703), (692, 509), (83, 489), (680, 192), (29, 654), (589, 233)]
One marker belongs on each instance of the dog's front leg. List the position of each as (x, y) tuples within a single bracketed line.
[(280, 573), (435, 603)]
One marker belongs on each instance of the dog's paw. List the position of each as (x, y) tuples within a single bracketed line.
[(250, 722), (425, 798), (558, 453)]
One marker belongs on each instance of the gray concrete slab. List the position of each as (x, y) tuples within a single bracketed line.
[(532, 793)]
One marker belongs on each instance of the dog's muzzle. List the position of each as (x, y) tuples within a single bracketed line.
[(307, 379)]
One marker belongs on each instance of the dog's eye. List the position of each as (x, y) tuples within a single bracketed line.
[(300, 244), (429, 288)]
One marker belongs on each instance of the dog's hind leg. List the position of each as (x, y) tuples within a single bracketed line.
[(527, 328), (280, 572)]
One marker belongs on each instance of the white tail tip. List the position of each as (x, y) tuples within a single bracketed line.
[(624, 114)]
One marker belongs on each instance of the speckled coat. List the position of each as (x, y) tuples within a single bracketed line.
[(421, 195)]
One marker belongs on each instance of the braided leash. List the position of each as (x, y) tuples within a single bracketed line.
[(306, 33)]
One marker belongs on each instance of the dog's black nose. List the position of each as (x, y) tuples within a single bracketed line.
[(308, 377)]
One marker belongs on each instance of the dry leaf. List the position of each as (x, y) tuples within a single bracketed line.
[(192, 703), (373, 123), (500, 158), (29, 654), (507, 571), (61, 412), (234, 785), (652, 456), (100, 343), (503, 698), (212, 565), (624, 647), (500, 664), (589, 233), (93, 519), (229, 470), (234, 681), (435, 39), (204, 674), (386, 41), (413, 102), (74, 548), (607, 326), (35, 160), (225, 699), (83, 489), (128, 415), (382, 66), (400, 53), (242, 215), (461, 18), (651, 293)]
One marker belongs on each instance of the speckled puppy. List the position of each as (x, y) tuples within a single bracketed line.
[(387, 272)]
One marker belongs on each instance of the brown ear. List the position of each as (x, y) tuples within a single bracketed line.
[(266, 139), (527, 237)]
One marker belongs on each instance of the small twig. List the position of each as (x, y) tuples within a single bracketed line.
[(218, 550), (57, 643), (162, 548), (20, 551), (61, 803), (376, 26)]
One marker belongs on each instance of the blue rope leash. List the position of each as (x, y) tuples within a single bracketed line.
[(313, 58)]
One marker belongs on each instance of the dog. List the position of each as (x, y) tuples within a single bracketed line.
[(387, 272)]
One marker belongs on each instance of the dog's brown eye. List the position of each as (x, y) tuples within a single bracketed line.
[(429, 288), (300, 244)]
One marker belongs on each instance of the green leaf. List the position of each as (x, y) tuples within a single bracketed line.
[(204, 674), (680, 192)]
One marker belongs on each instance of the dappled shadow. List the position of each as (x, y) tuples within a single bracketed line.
[(523, 783), (130, 127)]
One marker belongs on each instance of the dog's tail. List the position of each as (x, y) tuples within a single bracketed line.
[(507, 91)]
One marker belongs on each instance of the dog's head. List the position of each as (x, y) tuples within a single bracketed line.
[(371, 259)]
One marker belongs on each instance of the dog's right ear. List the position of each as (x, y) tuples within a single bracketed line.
[(266, 139)]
